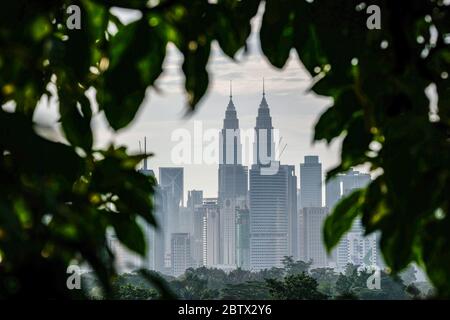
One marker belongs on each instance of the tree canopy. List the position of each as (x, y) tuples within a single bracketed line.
[(57, 199)]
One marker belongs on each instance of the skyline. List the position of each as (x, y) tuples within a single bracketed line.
[(293, 108)]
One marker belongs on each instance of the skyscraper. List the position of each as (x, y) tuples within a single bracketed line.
[(154, 237), (233, 182), (311, 245), (171, 180), (292, 207), (272, 199), (354, 247), (332, 192), (181, 253), (311, 182), (198, 235), (195, 198), (243, 238), (157, 236), (211, 233), (343, 184)]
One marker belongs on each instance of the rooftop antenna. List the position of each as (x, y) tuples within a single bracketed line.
[(231, 89), (264, 89), (145, 152)]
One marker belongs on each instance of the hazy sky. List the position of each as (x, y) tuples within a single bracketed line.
[(294, 111)]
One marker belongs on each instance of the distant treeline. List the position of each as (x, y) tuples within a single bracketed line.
[(295, 280)]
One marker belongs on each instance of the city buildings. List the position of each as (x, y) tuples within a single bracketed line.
[(211, 232), (181, 253), (311, 246), (354, 247), (311, 182), (259, 215), (171, 180), (243, 238), (233, 183), (272, 199)]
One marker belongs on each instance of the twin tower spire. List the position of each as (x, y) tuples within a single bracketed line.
[(264, 137)]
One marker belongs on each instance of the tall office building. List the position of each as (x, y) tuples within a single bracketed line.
[(353, 179), (228, 216), (186, 220), (125, 260), (243, 239), (354, 247), (211, 232), (181, 253), (157, 237), (195, 198), (342, 184), (233, 183), (199, 220), (310, 224), (154, 237), (311, 182), (332, 192), (272, 198), (292, 208), (171, 180)]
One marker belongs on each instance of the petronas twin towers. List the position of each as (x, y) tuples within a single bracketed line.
[(271, 198)]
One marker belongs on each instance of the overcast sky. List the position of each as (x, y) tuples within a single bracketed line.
[(294, 111)]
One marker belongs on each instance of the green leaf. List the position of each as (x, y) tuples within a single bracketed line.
[(196, 54), (277, 31), (129, 232), (232, 24), (336, 119), (76, 126), (137, 53), (342, 217)]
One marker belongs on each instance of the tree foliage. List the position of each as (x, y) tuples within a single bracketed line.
[(57, 200), (295, 287)]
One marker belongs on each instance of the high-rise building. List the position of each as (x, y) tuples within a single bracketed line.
[(157, 236), (311, 246), (332, 192), (273, 216), (186, 220), (228, 216), (211, 232), (311, 182), (353, 179), (154, 237), (181, 253), (199, 220), (272, 200), (195, 198), (243, 239), (354, 247), (171, 180), (292, 206), (342, 184), (233, 183), (125, 259)]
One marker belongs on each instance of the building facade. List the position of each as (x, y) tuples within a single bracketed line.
[(181, 253), (311, 182), (310, 225)]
